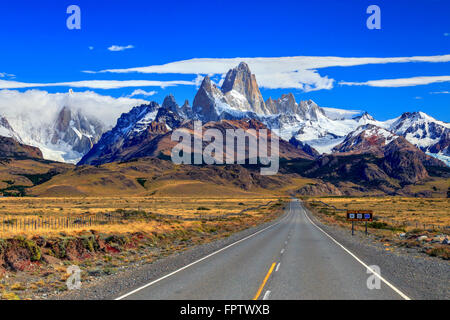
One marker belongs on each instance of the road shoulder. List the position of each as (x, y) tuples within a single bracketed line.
[(418, 276)]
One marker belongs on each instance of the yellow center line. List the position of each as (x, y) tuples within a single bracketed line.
[(261, 287)]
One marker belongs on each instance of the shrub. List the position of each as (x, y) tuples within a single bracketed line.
[(378, 225), (89, 242), (441, 252), (32, 247)]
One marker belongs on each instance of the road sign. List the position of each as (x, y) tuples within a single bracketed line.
[(359, 215)]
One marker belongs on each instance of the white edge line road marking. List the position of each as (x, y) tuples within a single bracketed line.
[(404, 296), (266, 295), (278, 266), (199, 260)]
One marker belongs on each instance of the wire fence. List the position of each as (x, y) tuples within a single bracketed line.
[(17, 223), (23, 224), (415, 224)]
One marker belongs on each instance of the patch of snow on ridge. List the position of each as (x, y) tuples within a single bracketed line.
[(325, 145), (143, 123), (339, 114), (440, 156)]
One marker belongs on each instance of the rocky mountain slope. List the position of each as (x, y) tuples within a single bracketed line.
[(11, 148), (146, 131), (65, 137), (367, 138), (71, 135), (425, 132), (152, 176)]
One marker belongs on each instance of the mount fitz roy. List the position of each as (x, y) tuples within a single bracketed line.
[(71, 135)]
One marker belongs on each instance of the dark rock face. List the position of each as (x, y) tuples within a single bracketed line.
[(364, 116), (136, 133), (206, 99), (305, 147), (169, 117), (366, 138), (320, 189), (75, 129), (405, 162), (128, 125), (400, 164), (169, 103), (10, 148), (285, 104), (240, 79), (442, 146), (186, 111), (418, 126)]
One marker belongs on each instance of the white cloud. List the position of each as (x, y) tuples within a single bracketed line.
[(120, 48), (440, 92), (142, 93), (283, 72), (198, 80), (403, 82), (95, 84), (91, 48), (446, 34), (42, 106), (6, 75)]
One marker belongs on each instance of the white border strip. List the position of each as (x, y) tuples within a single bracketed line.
[(199, 260), (404, 296)]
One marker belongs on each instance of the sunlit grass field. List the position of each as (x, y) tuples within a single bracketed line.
[(55, 211), (415, 212)]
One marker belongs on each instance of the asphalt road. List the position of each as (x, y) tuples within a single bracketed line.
[(292, 259)]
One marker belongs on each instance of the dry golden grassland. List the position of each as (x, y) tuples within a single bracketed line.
[(397, 210), (415, 223), (38, 260), (57, 209)]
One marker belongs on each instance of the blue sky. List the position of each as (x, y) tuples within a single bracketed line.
[(37, 47)]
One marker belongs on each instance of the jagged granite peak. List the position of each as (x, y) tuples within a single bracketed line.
[(170, 103), (365, 117), (285, 104), (186, 104), (76, 129), (310, 110), (171, 119), (209, 101), (7, 131), (271, 105), (186, 111), (242, 91)]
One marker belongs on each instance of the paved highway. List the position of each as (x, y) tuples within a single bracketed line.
[(291, 259)]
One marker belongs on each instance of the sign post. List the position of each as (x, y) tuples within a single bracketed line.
[(359, 215)]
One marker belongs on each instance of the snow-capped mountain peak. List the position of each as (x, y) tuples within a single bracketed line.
[(366, 138), (422, 130)]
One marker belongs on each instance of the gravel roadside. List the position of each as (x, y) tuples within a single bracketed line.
[(131, 277), (416, 274)]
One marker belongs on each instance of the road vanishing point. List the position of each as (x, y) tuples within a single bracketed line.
[(291, 259)]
